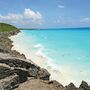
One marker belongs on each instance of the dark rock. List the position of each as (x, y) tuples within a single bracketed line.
[(71, 86), (5, 71), (56, 84), (84, 86), (23, 68), (16, 62), (43, 74), (9, 83), (23, 75)]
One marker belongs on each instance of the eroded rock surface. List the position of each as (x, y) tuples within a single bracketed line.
[(37, 84), (21, 67), (9, 83)]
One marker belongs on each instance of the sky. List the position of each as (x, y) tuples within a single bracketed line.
[(45, 13)]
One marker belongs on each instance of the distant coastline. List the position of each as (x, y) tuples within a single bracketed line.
[(74, 28)]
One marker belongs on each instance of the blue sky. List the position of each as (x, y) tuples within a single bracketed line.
[(45, 13)]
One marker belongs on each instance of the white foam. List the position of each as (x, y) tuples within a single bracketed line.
[(63, 74), (38, 45)]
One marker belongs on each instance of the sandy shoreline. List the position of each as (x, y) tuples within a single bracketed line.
[(62, 74), (40, 60)]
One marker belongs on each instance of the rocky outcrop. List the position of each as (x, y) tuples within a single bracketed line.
[(18, 73), (23, 68), (10, 33), (43, 74), (23, 64), (71, 86), (6, 44), (37, 84), (84, 86)]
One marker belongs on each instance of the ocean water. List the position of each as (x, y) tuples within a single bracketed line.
[(65, 53)]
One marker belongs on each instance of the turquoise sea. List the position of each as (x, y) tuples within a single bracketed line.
[(65, 53)]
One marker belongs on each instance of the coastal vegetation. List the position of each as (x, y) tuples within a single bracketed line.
[(4, 27)]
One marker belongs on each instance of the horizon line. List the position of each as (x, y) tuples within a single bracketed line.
[(55, 28)]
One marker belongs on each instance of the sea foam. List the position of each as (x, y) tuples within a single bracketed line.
[(64, 73)]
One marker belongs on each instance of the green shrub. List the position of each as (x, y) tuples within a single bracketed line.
[(7, 27)]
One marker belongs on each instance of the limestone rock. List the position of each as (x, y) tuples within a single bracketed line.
[(23, 68), (37, 84)]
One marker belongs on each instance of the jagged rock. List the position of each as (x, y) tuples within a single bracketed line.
[(9, 83), (43, 74), (71, 86), (14, 53), (24, 68), (23, 75), (6, 45), (57, 85), (5, 42), (33, 72), (5, 71), (84, 86), (17, 62)]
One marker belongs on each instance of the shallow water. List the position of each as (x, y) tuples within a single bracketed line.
[(65, 52)]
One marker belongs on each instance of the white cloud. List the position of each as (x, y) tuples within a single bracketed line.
[(35, 16), (32, 15), (61, 6), (11, 17), (85, 20), (27, 17)]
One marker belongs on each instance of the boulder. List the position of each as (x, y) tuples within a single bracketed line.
[(24, 68), (37, 84), (17, 62)]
